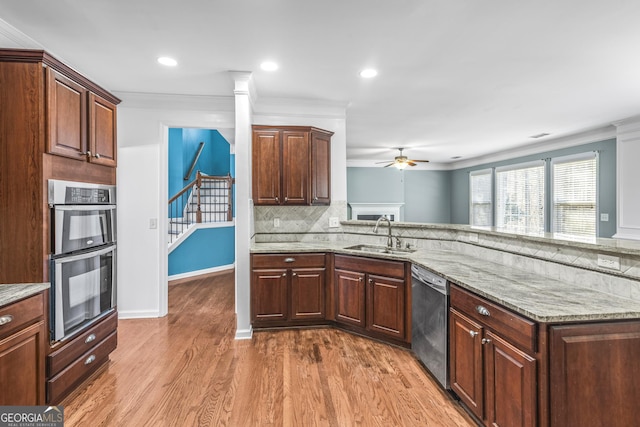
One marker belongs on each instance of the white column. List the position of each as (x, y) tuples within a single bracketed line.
[(628, 177), (244, 202)]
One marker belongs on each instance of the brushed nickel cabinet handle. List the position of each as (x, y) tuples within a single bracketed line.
[(6, 319), (289, 260), (90, 338), (482, 310), (90, 359)]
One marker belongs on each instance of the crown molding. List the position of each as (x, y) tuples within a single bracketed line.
[(166, 101), (11, 37)]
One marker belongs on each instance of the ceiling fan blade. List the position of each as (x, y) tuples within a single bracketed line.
[(411, 163), (390, 164), (423, 161), (386, 161)]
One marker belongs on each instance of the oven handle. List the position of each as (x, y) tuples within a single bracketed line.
[(85, 255), (84, 207)]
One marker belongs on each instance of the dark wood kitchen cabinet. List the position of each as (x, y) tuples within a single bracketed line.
[(371, 295), (48, 115), (287, 289), (595, 374), (493, 367), (82, 125), (291, 165), (22, 352)]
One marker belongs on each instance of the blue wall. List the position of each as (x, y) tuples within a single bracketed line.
[(183, 145), (443, 196), (206, 248)]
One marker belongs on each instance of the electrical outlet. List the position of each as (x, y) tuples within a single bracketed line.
[(473, 238), (604, 217), (334, 222), (276, 222), (610, 262)]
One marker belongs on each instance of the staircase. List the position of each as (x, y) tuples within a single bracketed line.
[(204, 200)]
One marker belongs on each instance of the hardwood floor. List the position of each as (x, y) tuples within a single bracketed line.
[(187, 370)]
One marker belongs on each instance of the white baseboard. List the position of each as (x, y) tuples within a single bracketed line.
[(244, 334), (134, 314), (203, 271)]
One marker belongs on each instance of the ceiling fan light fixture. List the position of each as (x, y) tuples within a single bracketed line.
[(401, 165)]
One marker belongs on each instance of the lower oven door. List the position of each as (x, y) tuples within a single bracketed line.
[(83, 290)]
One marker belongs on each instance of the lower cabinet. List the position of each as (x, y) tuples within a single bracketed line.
[(371, 295), (22, 348), (72, 362), (495, 378), (287, 289), (595, 374)]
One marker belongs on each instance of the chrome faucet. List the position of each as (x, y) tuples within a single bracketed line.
[(389, 238)]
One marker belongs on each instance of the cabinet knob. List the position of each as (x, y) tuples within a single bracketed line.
[(90, 359), (482, 310), (86, 153), (370, 280), (284, 274), (286, 199), (293, 274), (485, 341), (473, 334), (6, 319), (315, 199), (277, 199), (359, 279), (97, 156)]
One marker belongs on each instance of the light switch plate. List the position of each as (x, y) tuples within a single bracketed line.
[(334, 222), (153, 223)]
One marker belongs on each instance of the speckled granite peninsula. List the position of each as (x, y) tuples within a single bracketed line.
[(13, 292), (546, 278)]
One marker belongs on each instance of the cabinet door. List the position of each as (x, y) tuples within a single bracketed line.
[(266, 166), (295, 167), (595, 374), (307, 293), (511, 393), (385, 305), (269, 295), (102, 131), (465, 361), (320, 169), (350, 302), (66, 117), (22, 367)]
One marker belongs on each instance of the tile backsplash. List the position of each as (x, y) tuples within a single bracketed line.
[(296, 221)]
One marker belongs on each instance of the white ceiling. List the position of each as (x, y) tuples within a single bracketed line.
[(456, 77)]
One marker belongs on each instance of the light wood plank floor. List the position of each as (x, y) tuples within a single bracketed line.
[(187, 370)]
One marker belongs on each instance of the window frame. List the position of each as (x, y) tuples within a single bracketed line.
[(490, 172)]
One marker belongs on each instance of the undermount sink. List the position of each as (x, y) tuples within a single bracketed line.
[(380, 249)]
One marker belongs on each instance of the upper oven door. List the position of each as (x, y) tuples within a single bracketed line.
[(77, 227)]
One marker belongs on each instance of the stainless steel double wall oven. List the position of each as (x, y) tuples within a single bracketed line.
[(83, 258)]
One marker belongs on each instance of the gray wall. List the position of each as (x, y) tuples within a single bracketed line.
[(443, 196), (426, 194)]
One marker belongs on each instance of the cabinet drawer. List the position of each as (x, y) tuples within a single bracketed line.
[(60, 385), (80, 344), (517, 329), (21, 313), (287, 260), (370, 265)]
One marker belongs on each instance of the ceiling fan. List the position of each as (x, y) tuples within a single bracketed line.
[(402, 162)]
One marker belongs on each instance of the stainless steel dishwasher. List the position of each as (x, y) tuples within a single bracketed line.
[(430, 306)]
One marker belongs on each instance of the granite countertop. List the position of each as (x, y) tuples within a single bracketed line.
[(13, 292), (537, 297)]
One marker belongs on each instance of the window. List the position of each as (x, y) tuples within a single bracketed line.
[(481, 194), (574, 194), (520, 197)]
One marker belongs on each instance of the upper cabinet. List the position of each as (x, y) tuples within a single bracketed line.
[(291, 165), (81, 124)]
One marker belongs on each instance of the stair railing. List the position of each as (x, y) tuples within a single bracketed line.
[(205, 199), (195, 160)]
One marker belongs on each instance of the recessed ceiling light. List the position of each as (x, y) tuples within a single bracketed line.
[(368, 73), (169, 62), (269, 66)]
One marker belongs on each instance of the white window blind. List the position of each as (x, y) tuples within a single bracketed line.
[(574, 194), (520, 197), (481, 195)]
